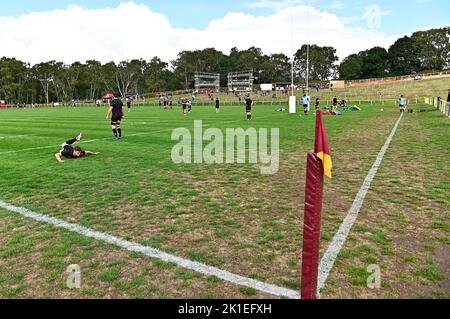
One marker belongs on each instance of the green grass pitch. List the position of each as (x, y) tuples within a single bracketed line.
[(228, 216)]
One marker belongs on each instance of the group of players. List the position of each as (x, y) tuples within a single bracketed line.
[(186, 105), (306, 102), (116, 113)]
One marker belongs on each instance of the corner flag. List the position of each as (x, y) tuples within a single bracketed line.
[(321, 147), (318, 164)]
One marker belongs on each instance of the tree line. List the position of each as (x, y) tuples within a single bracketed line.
[(54, 81), (422, 51)]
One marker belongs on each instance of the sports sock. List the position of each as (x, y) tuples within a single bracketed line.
[(72, 141), (115, 132), (119, 130)]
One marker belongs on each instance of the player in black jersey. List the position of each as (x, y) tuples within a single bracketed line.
[(317, 104), (335, 104), (217, 105), (129, 104), (183, 102), (68, 151), (117, 115), (248, 107)]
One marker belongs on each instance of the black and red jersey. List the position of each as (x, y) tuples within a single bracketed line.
[(68, 150)]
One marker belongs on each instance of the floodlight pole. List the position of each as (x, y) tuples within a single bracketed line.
[(292, 78)]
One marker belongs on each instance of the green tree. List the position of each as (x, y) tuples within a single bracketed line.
[(14, 75), (157, 76), (374, 63), (275, 68), (128, 75), (322, 62), (184, 69), (93, 78), (44, 73), (434, 48), (108, 77), (188, 62), (350, 68), (403, 57)]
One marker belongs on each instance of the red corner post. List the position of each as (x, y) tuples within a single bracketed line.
[(319, 164), (311, 231)]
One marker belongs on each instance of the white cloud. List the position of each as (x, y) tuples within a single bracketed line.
[(337, 5), (276, 5), (135, 31)]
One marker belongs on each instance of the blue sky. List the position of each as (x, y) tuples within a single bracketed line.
[(114, 30), (402, 16)]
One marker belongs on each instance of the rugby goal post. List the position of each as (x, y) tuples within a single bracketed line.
[(292, 105)]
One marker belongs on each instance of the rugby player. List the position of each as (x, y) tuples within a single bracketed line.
[(217, 105), (335, 104), (68, 151), (402, 104), (117, 115), (305, 101), (129, 104), (183, 104), (317, 103), (248, 107)]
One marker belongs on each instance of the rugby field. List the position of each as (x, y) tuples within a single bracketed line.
[(229, 216)]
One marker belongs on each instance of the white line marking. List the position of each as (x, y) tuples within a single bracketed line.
[(155, 253), (12, 136), (327, 262), (81, 142), (28, 149), (101, 139)]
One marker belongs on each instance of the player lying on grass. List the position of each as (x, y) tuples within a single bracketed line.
[(68, 151)]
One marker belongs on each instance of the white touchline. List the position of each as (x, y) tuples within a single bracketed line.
[(28, 149), (327, 262), (11, 137), (155, 253)]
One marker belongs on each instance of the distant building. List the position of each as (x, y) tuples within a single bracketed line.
[(337, 84)]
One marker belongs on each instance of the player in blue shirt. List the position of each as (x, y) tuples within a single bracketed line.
[(305, 101), (402, 104)]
